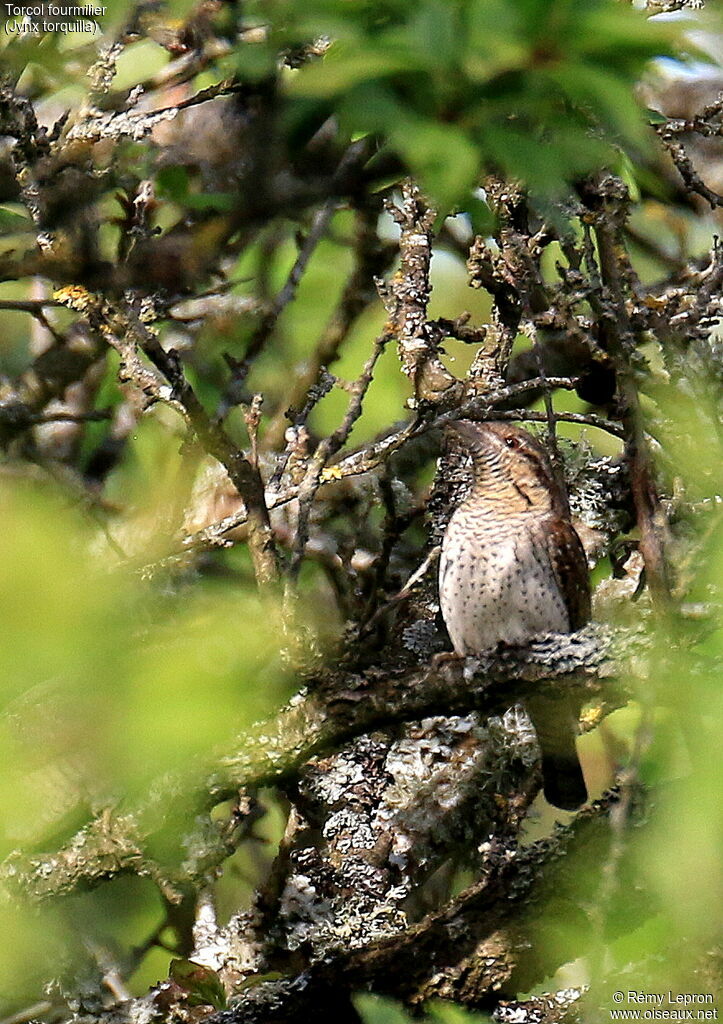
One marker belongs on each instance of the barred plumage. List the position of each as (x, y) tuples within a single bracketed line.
[(513, 568)]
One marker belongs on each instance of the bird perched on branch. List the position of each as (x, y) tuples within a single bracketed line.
[(512, 568)]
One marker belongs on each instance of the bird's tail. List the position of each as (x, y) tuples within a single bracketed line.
[(555, 723)]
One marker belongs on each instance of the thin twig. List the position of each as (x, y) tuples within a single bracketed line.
[(138, 124), (28, 305), (328, 447), (29, 1013), (607, 198), (94, 416), (693, 181), (165, 381), (371, 260), (265, 329), (376, 453), (401, 594)]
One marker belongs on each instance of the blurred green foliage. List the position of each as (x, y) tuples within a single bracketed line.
[(541, 90), (377, 1010), (107, 684), (109, 680)]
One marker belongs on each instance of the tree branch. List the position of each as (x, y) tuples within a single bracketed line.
[(407, 298), (692, 180), (125, 331), (332, 710), (477, 948), (608, 200), (371, 259)]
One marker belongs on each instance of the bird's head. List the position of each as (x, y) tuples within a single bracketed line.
[(508, 461)]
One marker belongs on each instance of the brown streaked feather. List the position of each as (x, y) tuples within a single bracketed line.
[(513, 568), (569, 565)]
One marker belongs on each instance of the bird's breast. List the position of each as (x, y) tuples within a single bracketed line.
[(496, 581)]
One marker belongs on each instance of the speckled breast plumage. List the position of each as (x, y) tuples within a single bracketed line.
[(512, 568), (496, 580)]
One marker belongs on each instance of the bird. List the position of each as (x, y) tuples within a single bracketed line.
[(512, 568)]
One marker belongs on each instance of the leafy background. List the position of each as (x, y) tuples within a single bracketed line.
[(108, 681)]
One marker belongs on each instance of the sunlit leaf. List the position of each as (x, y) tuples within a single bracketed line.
[(202, 985)]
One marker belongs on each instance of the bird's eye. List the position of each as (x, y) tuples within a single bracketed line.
[(512, 442)]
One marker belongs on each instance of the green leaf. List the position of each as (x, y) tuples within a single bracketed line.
[(608, 99), (615, 36), (494, 39), (12, 222), (172, 183), (455, 87), (655, 117), (258, 979), (447, 1013), (255, 61), (220, 201), (344, 67), (481, 216), (626, 170), (378, 1010), (203, 985), (544, 164), (443, 158), (435, 32)]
